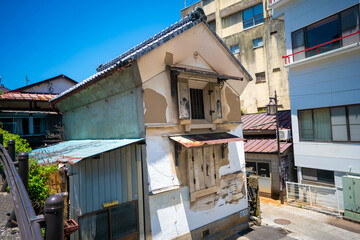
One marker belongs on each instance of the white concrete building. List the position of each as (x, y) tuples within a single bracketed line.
[(324, 87)]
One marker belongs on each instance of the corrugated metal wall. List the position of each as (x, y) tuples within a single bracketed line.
[(106, 177)]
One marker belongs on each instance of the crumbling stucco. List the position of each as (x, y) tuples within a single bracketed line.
[(155, 107), (233, 102)]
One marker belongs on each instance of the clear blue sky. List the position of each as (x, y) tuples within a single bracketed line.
[(42, 39)]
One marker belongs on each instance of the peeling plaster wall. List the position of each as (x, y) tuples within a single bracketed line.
[(172, 214)]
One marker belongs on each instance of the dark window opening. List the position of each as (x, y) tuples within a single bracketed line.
[(197, 103), (318, 175), (212, 25), (231, 20), (260, 77)]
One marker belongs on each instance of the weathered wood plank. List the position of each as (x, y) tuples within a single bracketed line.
[(101, 180), (207, 155), (95, 183), (199, 168), (217, 151), (211, 170), (134, 172), (88, 185), (183, 100), (107, 173), (140, 192), (204, 192), (82, 190), (190, 170)]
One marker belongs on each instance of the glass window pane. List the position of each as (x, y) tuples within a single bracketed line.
[(297, 38), (235, 49), (306, 125), (354, 114), (251, 167), (264, 170), (231, 20), (258, 9), (339, 133), (326, 176), (354, 121), (355, 133), (124, 220), (321, 32), (349, 18), (322, 128), (309, 174), (248, 13), (95, 226), (338, 122)]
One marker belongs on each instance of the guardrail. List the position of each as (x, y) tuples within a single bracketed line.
[(287, 57), (28, 222)]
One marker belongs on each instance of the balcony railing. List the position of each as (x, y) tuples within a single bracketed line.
[(287, 57)]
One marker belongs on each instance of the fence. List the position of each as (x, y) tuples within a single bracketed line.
[(322, 199)]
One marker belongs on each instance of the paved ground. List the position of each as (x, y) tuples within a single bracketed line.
[(298, 223), (6, 205)]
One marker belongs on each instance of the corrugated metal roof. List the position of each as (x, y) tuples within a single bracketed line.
[(264, 146), (194, 18), (27, 96), (201, 139), (262, 121), (76, 150)]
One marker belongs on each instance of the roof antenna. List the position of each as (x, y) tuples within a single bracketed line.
[(185, 3), (26, 80)]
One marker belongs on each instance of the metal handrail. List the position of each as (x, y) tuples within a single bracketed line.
[(25, 214), (287, 57)]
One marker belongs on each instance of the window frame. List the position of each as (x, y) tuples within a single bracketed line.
[(317, 176), (260, 74), (305, 33), (108, 210), (331, 131), (253, 16), (258, 46)]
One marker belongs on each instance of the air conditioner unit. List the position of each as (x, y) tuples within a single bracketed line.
[(284, 134)]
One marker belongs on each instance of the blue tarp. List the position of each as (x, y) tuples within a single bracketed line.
[(76, 150)]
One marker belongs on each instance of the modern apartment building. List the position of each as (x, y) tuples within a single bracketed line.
[(257, 40), (322, 43)]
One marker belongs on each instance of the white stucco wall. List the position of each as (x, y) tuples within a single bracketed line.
[(171, 215)]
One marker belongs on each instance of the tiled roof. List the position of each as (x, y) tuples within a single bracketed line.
[(264, 146), (194, 18), (262, 121), (27, 96)]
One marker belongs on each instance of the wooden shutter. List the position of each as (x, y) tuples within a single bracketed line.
[(216, 105), (183, 100), (202, 172)]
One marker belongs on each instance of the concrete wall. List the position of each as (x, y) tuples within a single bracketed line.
[(264, 59)]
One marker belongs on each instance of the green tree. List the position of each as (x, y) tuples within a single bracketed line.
[(39, 174)]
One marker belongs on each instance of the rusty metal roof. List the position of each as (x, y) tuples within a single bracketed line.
[(27, 96), (265, 146), (262, 121), (208, 138), (76, 150)]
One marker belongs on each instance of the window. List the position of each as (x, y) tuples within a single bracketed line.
[(212, 25), (338, 124), (318, 175), (258, 168), (199, 100), (120, 221), (260, 77), (328, 29), (235, 49), (258, 42), (197, 103), (231, 20), (253, 16), (202, 172)]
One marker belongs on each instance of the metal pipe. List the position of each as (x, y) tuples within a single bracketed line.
[(23, 169), (11, 149), (54, 217), (278, 150)]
